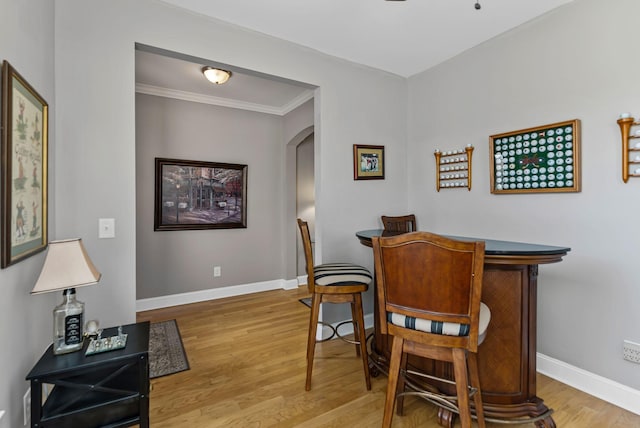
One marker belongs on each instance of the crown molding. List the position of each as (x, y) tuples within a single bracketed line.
[(223, 102)]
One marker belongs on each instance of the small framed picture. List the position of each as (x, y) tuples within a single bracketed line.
[(25, 116), (368, 162)]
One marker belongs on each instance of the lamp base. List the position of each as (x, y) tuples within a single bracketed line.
[(67, 324)]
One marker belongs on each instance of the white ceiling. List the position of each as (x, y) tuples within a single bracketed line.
[(400, 37)]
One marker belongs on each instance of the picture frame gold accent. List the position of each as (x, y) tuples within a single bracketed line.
[(23, 178), (542, 159), (195, 195), (368, 162)]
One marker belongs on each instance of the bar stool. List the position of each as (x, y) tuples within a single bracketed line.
[(429, 289), (403, 223), (335, 283)]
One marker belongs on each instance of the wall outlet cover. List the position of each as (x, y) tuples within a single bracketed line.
[(631, 351)]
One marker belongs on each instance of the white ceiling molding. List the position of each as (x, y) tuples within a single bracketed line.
[(224, 102), (297, 101)]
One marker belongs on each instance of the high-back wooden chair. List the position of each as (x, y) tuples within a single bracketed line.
[(403, 223), (428, 288), (335, 283)]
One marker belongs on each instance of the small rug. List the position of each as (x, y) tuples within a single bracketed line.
[(306, 301), (166, 352)]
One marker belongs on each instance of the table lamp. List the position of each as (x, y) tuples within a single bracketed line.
[(66, 267)]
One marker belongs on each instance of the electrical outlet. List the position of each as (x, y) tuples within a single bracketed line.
[(217, 271), (26, 407), (631, 351)]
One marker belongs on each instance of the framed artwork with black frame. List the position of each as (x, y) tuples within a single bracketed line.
[(543, 159), (25, 121), (368, 162), (199, 195)]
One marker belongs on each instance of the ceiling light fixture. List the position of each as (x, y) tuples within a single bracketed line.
[(216, 75)]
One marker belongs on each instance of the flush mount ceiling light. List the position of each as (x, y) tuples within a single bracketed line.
[(216, 75)]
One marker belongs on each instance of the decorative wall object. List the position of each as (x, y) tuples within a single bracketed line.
[(630, 146), (25, 116), (544, 159), (199, 195), (368, 162), (453, 168)]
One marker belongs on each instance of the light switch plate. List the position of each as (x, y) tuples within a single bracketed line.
[(106, 228)]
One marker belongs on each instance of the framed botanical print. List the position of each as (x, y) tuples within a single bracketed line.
[(24, 168)]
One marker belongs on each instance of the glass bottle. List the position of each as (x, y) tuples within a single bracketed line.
[(67, 323)]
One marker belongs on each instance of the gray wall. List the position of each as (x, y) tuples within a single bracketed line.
[(574, 63), (96, 103), (26, 323), (577, 62), (173, 262)]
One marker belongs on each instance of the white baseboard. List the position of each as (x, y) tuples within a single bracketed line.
[(290, 284), (213, 294), (605, 389)]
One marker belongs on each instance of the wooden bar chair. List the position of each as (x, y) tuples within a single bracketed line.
[(428, 288), (335, 283), (403, 223)]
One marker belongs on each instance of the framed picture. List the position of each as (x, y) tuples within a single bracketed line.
[(544, 159), (199, 195), (368, 162), (23, 176)]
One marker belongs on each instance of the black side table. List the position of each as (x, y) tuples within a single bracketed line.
[(106, 389)]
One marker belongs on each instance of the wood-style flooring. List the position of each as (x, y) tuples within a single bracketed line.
[(247, 369)]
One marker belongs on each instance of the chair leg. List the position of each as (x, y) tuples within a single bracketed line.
[(462, 386), (311, 338), (361, 338), (472, 360), (392, 383), (400, 389), (356, 329)]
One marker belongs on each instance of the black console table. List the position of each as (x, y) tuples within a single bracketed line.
[(105, 389)]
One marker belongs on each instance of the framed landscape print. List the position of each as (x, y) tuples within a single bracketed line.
[(199, 195), (368, 162), (544, 159), (24, 168)]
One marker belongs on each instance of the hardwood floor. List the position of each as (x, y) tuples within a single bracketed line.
[(247, 369)]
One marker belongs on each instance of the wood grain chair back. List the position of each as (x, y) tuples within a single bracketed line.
[(308, 253), (429, 289), (404, 223)]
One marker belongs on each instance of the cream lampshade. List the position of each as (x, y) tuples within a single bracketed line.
[(66, 267)]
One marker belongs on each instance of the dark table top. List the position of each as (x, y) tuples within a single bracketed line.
[(492, 247), (51, 364)]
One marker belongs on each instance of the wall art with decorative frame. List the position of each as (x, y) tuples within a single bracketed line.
[(199, 195), (23, 177), (542, 159), (368, 162)]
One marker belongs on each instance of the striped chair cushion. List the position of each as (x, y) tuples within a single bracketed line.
[(340, 274), (439, 327)]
